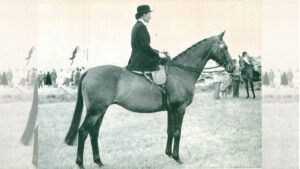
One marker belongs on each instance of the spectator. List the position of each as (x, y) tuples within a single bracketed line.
[(284, 79), (236, 79), (225, 84), (277, 79), (32, 77), (48, 79), (217, 84), (271, 77), (290, 78), (4, 79), (41, 79), (9, 77), (77, 77), (53, 76), (1, 78), (266, 80)]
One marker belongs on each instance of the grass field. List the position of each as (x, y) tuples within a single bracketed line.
[(13, 118), (222, 133)]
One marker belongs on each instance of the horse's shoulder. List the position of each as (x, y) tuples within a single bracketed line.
[(180, 90)]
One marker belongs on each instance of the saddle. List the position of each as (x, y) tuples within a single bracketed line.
[(157, 77)]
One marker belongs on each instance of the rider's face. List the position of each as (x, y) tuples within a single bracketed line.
[(146, 17)]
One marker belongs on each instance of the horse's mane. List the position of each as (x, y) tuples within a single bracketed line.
[(189, 50)]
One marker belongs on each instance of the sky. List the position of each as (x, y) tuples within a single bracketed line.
[(104, 27), (280, 38)]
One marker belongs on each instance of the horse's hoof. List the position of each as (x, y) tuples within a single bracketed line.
[(169, 153), (253, 97), (177, 159), (99, 163), (80, 164)]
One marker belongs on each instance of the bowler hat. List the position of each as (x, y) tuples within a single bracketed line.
[(141, 10)]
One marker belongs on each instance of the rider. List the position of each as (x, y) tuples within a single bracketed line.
[(247, 67), (247, 58), (143, 57)]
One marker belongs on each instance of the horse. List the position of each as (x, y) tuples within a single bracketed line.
[(249, 75), (105, 85)]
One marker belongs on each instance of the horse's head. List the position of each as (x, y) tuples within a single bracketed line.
[(220, 54)]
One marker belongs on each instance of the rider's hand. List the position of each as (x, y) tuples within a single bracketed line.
[(165, 52), (162, 55)]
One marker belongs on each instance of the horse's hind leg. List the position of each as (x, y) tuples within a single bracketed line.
[(94, 141), (89, 122)]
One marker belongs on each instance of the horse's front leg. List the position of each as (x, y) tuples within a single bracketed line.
[(170, 132), (177, 133)]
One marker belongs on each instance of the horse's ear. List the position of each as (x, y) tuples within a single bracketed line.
[(221, 35)]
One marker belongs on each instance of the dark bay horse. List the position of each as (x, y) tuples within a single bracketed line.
[(103, 86)]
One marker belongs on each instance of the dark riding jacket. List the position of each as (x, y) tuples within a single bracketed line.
[(143, 57)]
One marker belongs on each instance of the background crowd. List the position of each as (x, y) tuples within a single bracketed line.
[(46, 78), (223, 82)]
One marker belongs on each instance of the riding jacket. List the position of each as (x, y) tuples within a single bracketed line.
[(143, 56)]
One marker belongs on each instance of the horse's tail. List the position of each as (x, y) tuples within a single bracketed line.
[(72, 133)]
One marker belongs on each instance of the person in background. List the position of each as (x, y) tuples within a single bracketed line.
[(40, 79), (9, 77), (4, 79), (48, 79), (225, 84), (271, 77), (284, 80), (217, 85), (290, 78), (266, 80), (236, 79), (53, 77)]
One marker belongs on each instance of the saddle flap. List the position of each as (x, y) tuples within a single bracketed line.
[(159, 76)]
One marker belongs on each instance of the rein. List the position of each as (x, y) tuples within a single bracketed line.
[(213, 67), (187, 68), (216, 71)]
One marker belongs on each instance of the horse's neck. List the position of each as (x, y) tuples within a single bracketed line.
[(197, 58)]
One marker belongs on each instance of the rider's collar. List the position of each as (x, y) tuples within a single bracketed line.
[(142, 21)]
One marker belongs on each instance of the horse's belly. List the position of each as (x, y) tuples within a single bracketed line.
[(136, 94)]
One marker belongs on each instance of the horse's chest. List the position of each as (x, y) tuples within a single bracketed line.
[(182, 95)]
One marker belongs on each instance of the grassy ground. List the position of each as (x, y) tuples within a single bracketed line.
[(280, 121), (13, 118), (222, 133)]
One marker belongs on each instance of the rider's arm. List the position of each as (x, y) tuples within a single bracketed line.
[(145, 42)]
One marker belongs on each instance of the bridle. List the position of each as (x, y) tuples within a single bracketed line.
[(197, 70)]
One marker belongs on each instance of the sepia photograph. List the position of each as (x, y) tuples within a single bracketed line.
[(132, 84)]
